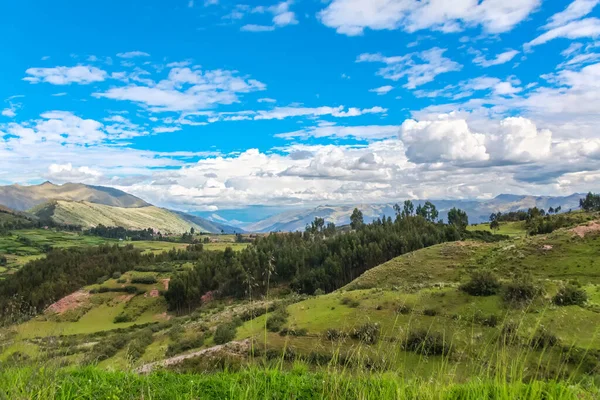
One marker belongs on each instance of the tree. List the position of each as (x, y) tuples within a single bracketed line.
[(494, 225), (397, 210), (458, 218), (551, 210), (409, 208), (590, 203), (557, 209), (192, 231), (356, 219), (428, 211)]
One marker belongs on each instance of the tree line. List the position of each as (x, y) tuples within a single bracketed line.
[(320, 258)]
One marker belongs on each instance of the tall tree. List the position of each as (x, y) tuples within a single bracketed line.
[(409, 208), (356, 219), (458, 218)]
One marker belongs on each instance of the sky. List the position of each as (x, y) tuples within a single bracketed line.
[(210, 105)]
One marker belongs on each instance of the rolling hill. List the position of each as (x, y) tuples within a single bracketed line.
[(22, 198), (88, 206), (478, 211), (87, 214)]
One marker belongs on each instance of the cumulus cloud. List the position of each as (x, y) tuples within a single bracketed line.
[(352, 17), (282, 16), (418, 68), (80, 74)]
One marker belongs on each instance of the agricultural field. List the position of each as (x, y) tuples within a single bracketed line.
[(21, 246)]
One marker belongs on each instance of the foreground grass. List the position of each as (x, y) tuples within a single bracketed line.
[(257, 383)]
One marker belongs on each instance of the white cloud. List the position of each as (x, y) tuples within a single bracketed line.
[(134, 54), (588, 27), (382, 90), (577, 9), (419, 68), (352, 17), (282, 16), (185, 89), (369, 132), (266, 100), (257, 28), (80, 74), (9, 112), (443, 140), (519, 140), (501, 58)]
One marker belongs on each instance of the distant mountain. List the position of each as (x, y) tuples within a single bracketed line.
[(23, 198), (87, 206), (478, 211)]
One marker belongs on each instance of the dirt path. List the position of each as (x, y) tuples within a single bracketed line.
[(232, 347)]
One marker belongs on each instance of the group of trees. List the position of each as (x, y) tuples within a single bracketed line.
[(591, 202), (317, 259), (118, 232)]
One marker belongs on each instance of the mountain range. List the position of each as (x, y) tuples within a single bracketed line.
[(87, 206), (477, 210)]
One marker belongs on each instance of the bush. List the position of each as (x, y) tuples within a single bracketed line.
[(430, 312), (185, 345), (404, 309), (176, 332), (225, 333), (102, 279), (367, 333), (570, 295), (350, 302), (122, 317), (491, 320), (143, 280), (116, 275), (293, 332), (519, 292), (319, 292), (276, 320), (542, 338), (482, 283), (334, 334), (3, 261), (138, 345), (426, 343)]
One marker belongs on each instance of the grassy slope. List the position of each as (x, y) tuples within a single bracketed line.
[(90, 214)]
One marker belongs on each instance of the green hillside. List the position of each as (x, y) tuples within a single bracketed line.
[(87, 215)]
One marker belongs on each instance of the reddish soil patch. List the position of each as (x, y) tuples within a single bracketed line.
[(69, 302), (153, 293), (583, 230), (164, 316), (124, 298), (166, 283)]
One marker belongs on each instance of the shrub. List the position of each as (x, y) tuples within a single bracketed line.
[(122, 317), (491, 320), (319, 292), (293, 332), (367, 333), (121, 280), (482, 283), (276, 320), (3, 261), (116, 275), (570, 295), (102, 279), (430, 312), (350, 302), (426, 343), (176, 332), (138, 345), (404, 309), (518, 292), (334, 334), (225, 333), (185, 345), (143, 280), (542, 338)]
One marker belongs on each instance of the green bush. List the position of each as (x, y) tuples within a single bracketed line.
[(404, 309), (319, 292), (3, 261), (570, 295), (519, 292), (350, 302), (542, 338), (176, 332), (122, 317), (185, 345), (334, 334), (430, 312), (367, 333), (276, 320), (116, 275), (426, 343), (293, 332), (225, 333), (482, 283), (138, 345), (144, 280)]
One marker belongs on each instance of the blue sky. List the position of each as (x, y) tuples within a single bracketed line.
[(207, 105)]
